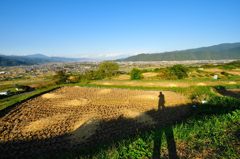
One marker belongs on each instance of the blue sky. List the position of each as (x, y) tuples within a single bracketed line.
[(103, 28)]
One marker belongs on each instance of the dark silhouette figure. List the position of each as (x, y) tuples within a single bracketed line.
[(161, 102), (172, 153)]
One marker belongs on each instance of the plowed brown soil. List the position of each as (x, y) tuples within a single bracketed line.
[(76, 115)]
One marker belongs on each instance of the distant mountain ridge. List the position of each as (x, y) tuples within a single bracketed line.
[(216, 52), (34, 59)]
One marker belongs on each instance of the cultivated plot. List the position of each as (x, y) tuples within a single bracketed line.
[(71, 117)]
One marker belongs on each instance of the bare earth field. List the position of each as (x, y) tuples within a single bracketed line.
[(163, 83), (75, 117)]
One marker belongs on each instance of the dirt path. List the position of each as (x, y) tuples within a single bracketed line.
[(73, 116)]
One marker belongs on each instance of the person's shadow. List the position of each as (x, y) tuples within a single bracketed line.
[(172, 153)]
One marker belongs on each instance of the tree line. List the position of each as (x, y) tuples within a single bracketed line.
[(108, 69)]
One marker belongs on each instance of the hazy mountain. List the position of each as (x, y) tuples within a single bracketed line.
[(216, 52), (41, 56), (34, 59)]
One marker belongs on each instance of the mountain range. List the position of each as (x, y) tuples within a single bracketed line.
[(34, 59), (216, 52)]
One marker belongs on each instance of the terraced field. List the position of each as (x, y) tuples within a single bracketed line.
[(164, 83), (71, 118)]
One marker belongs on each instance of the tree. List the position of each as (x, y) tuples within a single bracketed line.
[(136, 74), (178, 72), (107, 69), (61, 77)]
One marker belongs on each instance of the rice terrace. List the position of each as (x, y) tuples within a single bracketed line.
[(117, 110), (175, 111), (122, 79), (81, 113)]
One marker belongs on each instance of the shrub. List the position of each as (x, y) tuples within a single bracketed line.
[(177, 72), (136, 74), (156, 69)]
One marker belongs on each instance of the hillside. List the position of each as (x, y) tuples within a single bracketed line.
[(216, 52), (34, 59)]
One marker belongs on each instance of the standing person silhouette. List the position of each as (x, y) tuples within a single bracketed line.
[(161, 102)]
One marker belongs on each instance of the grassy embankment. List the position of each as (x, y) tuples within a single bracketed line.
[(10, 101), (40, 85)]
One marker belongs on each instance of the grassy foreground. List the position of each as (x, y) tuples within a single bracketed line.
[(211, 137)]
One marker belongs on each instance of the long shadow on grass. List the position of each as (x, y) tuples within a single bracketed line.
[(171, 144), (105, 134), (235, 93)]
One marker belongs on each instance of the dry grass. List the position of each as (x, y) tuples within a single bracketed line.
[(201, 84), (164, 83), (150, 75), (51, 96), (122, 77), (217, 70)]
